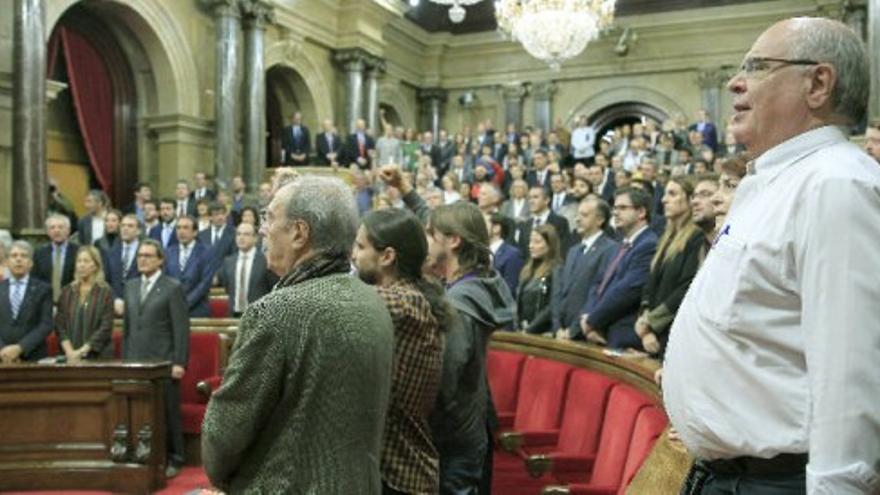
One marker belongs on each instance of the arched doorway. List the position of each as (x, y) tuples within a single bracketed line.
[(94, 121), (630, 112), (286, 93), (391, 115)]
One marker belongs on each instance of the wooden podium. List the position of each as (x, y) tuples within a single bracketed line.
[(94, 426)]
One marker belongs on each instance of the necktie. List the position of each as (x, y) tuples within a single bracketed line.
[(181, 209), (57, 268), (612, 267), (184, 257), (215, 236), (145, 289), (361, 147), (126, 258), (16, 297), (536, 222), (166, 234), (241, 290)]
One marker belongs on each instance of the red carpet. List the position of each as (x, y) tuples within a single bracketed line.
[(190, 478)]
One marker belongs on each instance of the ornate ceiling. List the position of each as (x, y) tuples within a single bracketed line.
[(481, 17)]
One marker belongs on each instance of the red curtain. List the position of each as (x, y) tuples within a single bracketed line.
[(92, 91), (52, 53)]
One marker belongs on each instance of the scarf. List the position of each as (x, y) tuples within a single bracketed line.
[(320, 265)]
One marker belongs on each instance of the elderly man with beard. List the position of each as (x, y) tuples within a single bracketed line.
[(304, 398)]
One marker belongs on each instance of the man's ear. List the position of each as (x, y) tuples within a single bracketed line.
[(302, 234), (821, 85), (388, 257), (454, 241)]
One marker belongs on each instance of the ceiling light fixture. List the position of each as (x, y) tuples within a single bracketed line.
[(456, 9)]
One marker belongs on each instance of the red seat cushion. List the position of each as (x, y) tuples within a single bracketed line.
[(503, 369), (541, 395), (219, 306), (204, 362), (191, 416), (117, 345), (649, 426)]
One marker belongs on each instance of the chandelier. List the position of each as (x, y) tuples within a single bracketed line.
[(456, 11), (554, 30)]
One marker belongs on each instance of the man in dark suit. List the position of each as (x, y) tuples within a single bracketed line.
[(166, 231), (614, 301), (585, 262), (359, 146), (245, 273), (156, 327), (54, 262), (201, 189), (90, 227), (25, 309), (429, 149), (328, 144), (499, 148), (540, 175), (560, 196), (706, 128), (189, 262), (219, 237), (539, 206), (121, 260), (447, 151), (506, 258), (183, 204), (296, 142)]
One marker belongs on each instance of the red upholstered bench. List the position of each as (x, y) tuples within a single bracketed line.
[(504, 370), (204, 364), (219, 306)]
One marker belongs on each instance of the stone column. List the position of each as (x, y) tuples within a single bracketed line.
[(711, 82), (226, 84), (30, 188), (513, 94), (374, 73), (257, 14), (874, 52), (432, 100), (543, 92), (353, 62)]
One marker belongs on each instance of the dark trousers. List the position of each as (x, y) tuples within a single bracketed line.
[(173, 424), (461, 473), (702, 481)]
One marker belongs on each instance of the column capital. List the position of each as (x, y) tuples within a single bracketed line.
[(428, 94), (375, 66), (714, 78), (222, 8), (512, 91), (544, 90), (353, 59), (257, 13)]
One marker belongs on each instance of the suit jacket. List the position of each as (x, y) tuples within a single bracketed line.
[(190, 206), (324, 147), (34, 320), (508, 261), (447, 151), (499, 151), (43, 263), (352, 151), (579, 273), (524, 229), (614, 311), (117, 276), (260, 281), (224, 246), (196, 277), (210, 195), (156, 233), (84, 230), (532, 180), (296, 145), (507, 210), (158, 328), (434, 152)]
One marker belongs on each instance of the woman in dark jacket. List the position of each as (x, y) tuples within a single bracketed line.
[(533, 294), (84, 321), (673, 268)]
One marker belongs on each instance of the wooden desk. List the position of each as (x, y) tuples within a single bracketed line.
[(96, 426)]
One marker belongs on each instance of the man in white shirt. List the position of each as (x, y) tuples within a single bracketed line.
[(583, 141), (771, 373)]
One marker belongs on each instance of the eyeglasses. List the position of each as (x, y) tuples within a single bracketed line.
[(622, 207), (752, 66), (147, 255)]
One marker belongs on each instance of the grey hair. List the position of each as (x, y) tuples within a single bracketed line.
[(24, 246), (57, 216), (833, 42), (327, 205)]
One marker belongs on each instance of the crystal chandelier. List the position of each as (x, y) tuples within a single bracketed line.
[(554, 30), (456, 11)]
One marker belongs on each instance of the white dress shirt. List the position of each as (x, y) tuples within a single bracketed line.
[(150, 282), (97, 227), (582, 141), (775, 347), (249, 264)]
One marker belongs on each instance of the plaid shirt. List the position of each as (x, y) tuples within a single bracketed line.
[(410, 462)]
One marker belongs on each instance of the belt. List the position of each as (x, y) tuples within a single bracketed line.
[(781, 465)]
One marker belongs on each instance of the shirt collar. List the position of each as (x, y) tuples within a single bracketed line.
[(24, 280), (249, 253), (632, 239), (779, 157), (494, 245), (589, 241), (152, 279), (543, 217)]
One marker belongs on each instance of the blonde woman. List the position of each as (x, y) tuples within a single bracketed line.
[(84, 321)]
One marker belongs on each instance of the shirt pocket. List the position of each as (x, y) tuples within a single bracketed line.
[(720, 278)]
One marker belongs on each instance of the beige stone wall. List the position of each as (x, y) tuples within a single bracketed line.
[(171, 45)]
